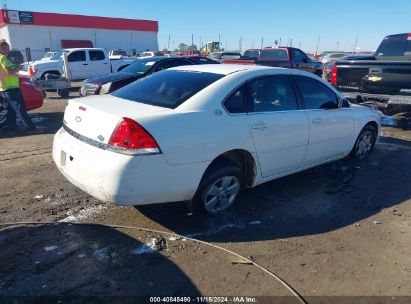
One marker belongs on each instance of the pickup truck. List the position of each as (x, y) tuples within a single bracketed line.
[(83, 63), (384, 81), (284, 57)]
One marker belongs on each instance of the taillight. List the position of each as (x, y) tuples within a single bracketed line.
[(30, 71), (333, 79), (130, 138)]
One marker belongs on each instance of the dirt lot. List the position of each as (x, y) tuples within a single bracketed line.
[(341, 229)]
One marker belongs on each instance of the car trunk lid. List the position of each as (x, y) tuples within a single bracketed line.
[(96, 117)]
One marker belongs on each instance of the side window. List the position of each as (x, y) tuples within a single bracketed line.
[(273, 93), (316, 95), (77, 56), (96, 55), (394, 45), (237, 102), (345, 103), (179, 62), (298, 56)]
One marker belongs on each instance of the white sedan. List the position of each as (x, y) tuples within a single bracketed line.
[(203, 133)]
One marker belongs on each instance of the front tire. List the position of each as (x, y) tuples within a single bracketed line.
[(219, 189), (365, 143)]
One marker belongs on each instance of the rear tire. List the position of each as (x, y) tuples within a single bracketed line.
[(63, 93), (365, 143), (218, 190)]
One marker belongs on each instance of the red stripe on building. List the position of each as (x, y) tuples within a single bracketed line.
[(65, 20)]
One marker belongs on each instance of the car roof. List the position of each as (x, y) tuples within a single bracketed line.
[(223, 69)]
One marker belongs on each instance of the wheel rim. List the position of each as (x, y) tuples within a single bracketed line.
[(221, 194), (364, 144)]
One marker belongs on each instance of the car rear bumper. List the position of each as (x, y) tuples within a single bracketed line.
[(123, 179)]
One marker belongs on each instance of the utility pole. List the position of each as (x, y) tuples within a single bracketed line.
[(192, 39), (291, 42), (318, 45), (262, 42), (168, 44), (338, 43), (355, 45), (299, 45), (240, 44), (280, 42), (4, 2)]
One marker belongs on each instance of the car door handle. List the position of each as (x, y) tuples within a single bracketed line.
[(317, 120), (260, 126), (105, 63), (85, 63)]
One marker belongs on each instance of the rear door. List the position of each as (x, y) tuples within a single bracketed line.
[(78, 64), (278, 125), (331, 127), (99, 63)]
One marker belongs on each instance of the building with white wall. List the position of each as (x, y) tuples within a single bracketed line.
[(34, 33)]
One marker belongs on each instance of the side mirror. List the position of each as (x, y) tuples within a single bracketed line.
[(305, 60)]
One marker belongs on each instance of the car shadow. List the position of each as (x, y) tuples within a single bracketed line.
[(83, 263), (315, 201), (47, 123)]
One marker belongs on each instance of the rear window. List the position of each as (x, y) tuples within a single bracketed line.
[(274, 54), (167, 89), (393, 45)]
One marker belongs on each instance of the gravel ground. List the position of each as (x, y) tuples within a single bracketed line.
[(342, 229)]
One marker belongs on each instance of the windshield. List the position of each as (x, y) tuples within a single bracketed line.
[(278, 54), (58, 55), (140, 66), (167, 89)]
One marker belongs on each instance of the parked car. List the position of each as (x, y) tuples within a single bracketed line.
[(139, 69), (48, 56), (284, 57), (221, 56), (333, 56), (117, 54), (150, 54), (83, 63), (183, 134), (33, 97), (384, 81)]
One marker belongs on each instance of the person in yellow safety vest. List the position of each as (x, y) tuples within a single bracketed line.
[(13, 102)]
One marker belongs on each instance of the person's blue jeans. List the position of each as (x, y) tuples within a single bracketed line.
[(14, 105)]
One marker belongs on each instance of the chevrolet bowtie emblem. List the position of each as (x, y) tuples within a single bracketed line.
[(78, 119), (374, 78)]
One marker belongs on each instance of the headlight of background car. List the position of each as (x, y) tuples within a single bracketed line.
[(105, 88)]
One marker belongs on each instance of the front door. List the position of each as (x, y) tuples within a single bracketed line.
[(279, 128), (302, 62), (331, 126)]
